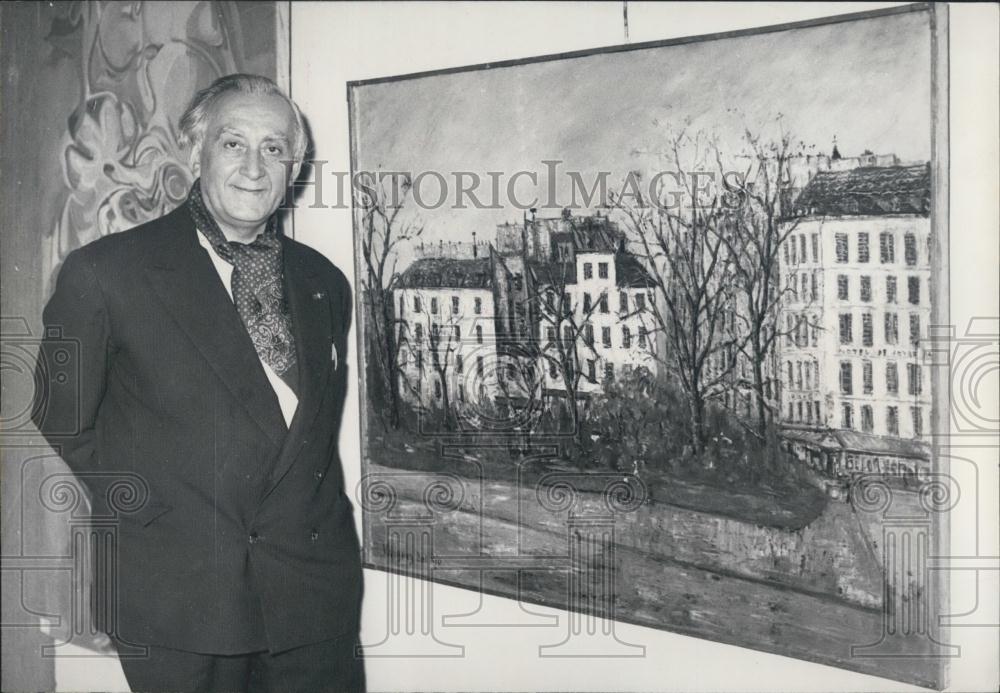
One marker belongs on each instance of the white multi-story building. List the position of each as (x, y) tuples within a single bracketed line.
[(487, 325), (446, 330), (857, 319), (609, 295)]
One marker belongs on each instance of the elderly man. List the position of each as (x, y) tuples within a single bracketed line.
[(211, 375)]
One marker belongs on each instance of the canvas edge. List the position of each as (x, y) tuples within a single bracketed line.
[(360, 326), (940, 305), (660, 43), (671, 629)]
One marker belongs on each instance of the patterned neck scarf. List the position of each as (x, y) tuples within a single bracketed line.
[(258, 289)]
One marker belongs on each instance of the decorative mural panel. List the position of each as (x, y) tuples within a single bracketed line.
[(139, 64), (91, 97)]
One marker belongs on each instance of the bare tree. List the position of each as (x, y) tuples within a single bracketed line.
[(567, 322), (443, 339), (432, 339), (680, 233), (383, 232), (759, 230)]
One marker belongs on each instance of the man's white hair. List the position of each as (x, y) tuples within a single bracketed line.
[(195, 118)]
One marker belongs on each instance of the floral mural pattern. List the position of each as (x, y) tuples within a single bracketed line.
[(100, 89), (140, 63)]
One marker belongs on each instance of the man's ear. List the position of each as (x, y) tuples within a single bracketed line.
[(194, 159), (293, 175)]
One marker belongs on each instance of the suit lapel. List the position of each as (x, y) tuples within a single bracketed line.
[(309, 303), (182, 275)]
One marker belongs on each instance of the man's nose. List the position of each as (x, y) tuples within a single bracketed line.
[(253, 166)]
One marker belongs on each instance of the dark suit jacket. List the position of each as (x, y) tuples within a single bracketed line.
[(244, 520)]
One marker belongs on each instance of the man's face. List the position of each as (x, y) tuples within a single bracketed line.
[(242, 161)]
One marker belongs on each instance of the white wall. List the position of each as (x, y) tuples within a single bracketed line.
[(333, 43)]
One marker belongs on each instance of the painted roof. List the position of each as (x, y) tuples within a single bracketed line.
[(630, 272), (554, 272), (447, 273), (856, 441), (872, 190)]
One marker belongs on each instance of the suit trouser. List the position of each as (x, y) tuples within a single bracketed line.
[(330, 665)]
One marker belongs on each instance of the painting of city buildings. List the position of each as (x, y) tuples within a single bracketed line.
[(644, 335)]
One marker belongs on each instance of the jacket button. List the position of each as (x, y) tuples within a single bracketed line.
[(314, 535), (318, 473), (254, 537)]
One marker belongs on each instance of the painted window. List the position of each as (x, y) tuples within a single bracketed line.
[(867, 420), (863, 249), (892, 420), (910, 249), (840, 241), (891, 328), (887, 248), (866, 330), (846, 331), (847, 416), (914, 382), (843, 287), (891, 378), (846, 378)]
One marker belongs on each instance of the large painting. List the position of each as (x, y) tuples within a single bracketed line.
[(644, 335)]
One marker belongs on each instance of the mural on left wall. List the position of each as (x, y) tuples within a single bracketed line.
[(139, 64), (93, 92)]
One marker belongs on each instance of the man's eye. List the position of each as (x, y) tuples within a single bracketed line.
[(274, 150), (231, 144)]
